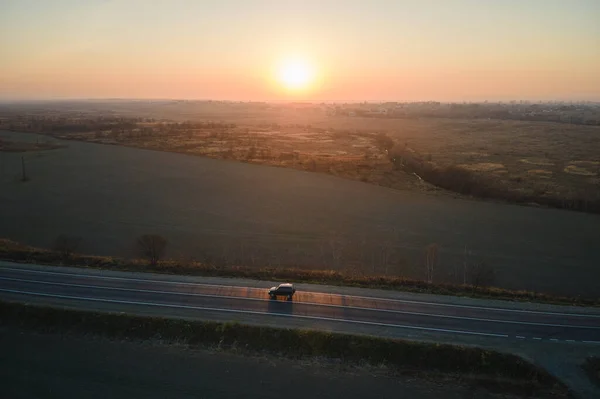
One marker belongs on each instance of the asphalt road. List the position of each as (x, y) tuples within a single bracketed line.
[(136, 293)]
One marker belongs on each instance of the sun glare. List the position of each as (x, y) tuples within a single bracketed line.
[(295, 74)]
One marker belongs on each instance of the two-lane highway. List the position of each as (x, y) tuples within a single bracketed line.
[(124, 292)]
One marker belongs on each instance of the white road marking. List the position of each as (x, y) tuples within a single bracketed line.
[(553, 339), (303, 303), (255, 312), (339, 295), (591, 342), (520, 337), (536, 338)]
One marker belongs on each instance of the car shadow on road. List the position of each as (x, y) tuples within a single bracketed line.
[(280, 306)]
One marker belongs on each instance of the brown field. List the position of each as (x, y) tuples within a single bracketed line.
[(353, 155), (531, 160), (239, 214), (271, 217), (25, 146)]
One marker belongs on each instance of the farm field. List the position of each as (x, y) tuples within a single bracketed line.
[(238, 213), (529, 162)]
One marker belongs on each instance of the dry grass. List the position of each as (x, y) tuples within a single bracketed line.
[(484, 167), (11, 250), (349, 154), (18, 146), (347, 147), (578, 170), (300, 138), (479, 145), (537, 162), (541, 173)]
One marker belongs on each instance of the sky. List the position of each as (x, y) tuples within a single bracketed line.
[(348, 50)]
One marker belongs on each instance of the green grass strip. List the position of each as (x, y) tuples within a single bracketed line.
[(291, 343)]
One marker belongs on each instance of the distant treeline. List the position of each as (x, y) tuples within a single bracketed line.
[(57, 125), (571, 114), (463, 181), (574, 120)]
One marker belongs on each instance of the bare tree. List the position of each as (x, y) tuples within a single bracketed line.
[(400, 266), (384, 142), (431, 258), (481, 275), (152, 247), (360, 247), (66, 245), (336, 247), (251, 154), (385, 253), (254, 257), (206, 257)]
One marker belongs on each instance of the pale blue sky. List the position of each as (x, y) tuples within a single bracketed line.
[(374, 50)]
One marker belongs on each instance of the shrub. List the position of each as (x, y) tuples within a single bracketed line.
[(152, 247), (384, 142), (592, 368), (481, 275), (66, 245)]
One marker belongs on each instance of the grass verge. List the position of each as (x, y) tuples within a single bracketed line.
[(13, 251), (400, 355), (592, 368)]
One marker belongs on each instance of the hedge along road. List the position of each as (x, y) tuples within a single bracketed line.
[(256, 215), (195, 300)]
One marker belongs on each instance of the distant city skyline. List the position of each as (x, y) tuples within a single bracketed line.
[(328, 50)]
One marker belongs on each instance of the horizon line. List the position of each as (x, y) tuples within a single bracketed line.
[(291, 101)]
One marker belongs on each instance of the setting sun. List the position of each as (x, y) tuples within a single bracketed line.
[(295, 74)]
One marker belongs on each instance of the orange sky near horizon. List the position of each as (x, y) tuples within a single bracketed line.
[(398, 50)]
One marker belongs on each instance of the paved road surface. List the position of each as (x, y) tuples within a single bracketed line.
[(137, 293)]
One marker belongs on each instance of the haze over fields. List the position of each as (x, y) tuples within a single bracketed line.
[(434, 118), (292, 198)]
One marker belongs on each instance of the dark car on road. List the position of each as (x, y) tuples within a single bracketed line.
[(287, 290)]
